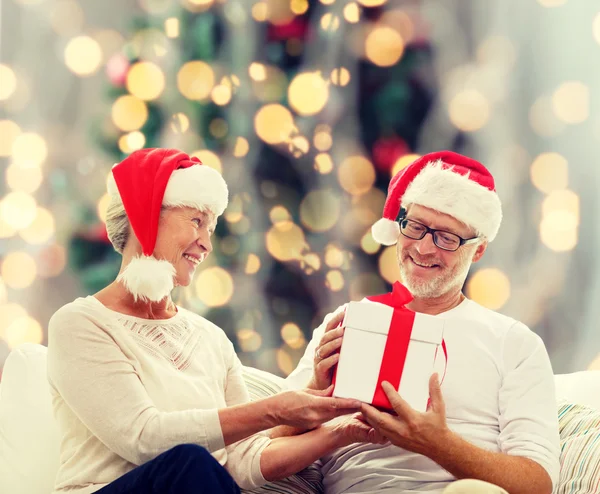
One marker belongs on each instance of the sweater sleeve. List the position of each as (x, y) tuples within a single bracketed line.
[(528, 418), (302, 374), (90, 372), (243, 457)]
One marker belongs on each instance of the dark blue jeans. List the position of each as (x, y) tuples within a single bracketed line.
[(184, 469)]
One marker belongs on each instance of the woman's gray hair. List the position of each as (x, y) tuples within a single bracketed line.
[(117, 224)]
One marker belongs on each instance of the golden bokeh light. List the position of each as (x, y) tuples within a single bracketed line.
[(24, 329), (29, 149), (145, 80), (274, 123), (41, 229), (149, 44), (257, 71), (300, 145), (330, 22), (403, 162), (292, 335), (240, 227), (320, 210), (557, 231), (285, 362), (129, 113), (214, 286), (489, 287), (371, 3), (51, 261), (155, 6), (195, 80), (241, 147), (384, 46), (571, 102), (368, 243), (562, 200), (469, 110), (24, 178), (8, 82), (279, 214), (249, 340), (9, 313), (260, 11), (18, 270), (311, 262), (334, 280), (352, 12), (235, 209), (285, 241), (9, 131), (356, 175), (218, 127), (388, 265), (172, 27), (323, 163), (180, 123), (102, 207), (327, 2), (3, 294), (308, 93), (334, 256), (18, 209), (323, 141), (6, 230), (550, 172), (542, 118), (221, 94), (340, 76), (209, 158), (83, 55), (299, 7), (132, 141), (252, 264), (596, 27)]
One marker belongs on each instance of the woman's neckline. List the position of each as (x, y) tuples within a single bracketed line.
[(144, 320)]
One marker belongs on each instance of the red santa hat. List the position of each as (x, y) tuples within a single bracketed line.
[(144, 182), (446, 182)]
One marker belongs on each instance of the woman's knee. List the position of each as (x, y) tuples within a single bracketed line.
[(471, 486)]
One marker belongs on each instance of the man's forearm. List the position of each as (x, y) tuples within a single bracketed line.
[(516, 474)]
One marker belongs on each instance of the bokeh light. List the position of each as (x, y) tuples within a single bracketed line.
[(41, 229), (83, 56), (557, 231), (330, 22), (145, 80), (469, 110), (102, 207), (356, 175), (132, 141), (551, 3), (596, 27), (24, 178), (9, 313), (334, 256), (571, 102), (29, 149), (195, 80), (129, 113), (279, 214), (209, 158), (369, 244), (180, 123), (24, 329), (51, 261), (542, 118), (550, 172), (18, 209), (384, 46), (292, 335), (489, 287), (172, 27), (8, 82), (320, 210), (252, 264), (3, 295), (334, 280), (221, 94), (299, 7), (285, 241), (562, 200), (308, 93), (249, 340), (241, 147), (388, 265), (352, 12), (274, 123), (214, 286), (9, 131), (323, 163), (371, 3), (18, 270), (403, 162)]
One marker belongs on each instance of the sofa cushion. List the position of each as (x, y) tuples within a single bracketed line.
[(29, 439), (579, 387), (580, 449)]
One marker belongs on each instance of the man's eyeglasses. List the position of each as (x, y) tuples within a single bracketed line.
[(444, 240)]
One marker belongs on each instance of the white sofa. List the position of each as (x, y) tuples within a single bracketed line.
[(29, 440)]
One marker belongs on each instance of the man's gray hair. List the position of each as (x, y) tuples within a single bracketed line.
[(117, 224)]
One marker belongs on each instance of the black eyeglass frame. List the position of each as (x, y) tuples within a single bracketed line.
[(462, 241)]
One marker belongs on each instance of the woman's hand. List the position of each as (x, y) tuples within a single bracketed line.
[(327, 354), (309, 408), (354, 429)]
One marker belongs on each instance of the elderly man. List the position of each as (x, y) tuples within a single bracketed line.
[(493, 420)]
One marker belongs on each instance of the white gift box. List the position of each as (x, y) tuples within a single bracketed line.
[(368, 326)]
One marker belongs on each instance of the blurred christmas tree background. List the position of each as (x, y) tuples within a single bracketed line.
[(306, 109)]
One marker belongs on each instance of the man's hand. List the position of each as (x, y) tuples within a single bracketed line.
[(351, 429), (327, 353), (414, 431)]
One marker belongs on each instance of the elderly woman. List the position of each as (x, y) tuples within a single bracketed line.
[(149, 397)]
